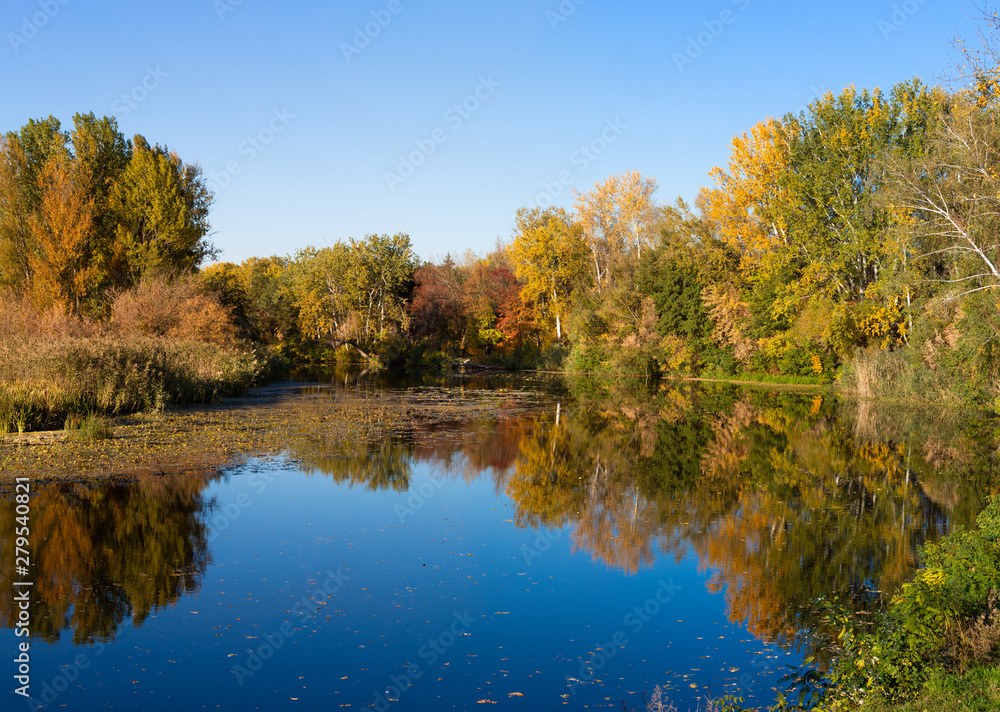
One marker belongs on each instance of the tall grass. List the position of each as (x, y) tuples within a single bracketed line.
[(53, 366), (89, 427), (900, 375)]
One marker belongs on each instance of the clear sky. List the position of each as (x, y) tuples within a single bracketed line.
[(317, 121)]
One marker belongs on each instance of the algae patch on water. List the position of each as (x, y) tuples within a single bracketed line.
[(275, 420)]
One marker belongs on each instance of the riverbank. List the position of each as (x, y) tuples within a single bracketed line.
[(936, 646), (165, 343), (264, 421), (45, 382), (977, 690)]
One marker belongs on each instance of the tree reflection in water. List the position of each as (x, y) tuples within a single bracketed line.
[(783, 498), (101, 554)]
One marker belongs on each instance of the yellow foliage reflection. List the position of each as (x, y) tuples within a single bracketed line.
[(102, 554)]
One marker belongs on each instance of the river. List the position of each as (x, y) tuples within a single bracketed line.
[(524, 543)]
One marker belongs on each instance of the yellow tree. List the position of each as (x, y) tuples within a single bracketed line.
[(744, 205), (63, 232), (619, 218), (549, 256)]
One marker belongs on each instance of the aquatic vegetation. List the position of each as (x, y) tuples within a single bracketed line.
[(89, 427)]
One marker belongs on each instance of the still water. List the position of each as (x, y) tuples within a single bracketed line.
[(559, 549)]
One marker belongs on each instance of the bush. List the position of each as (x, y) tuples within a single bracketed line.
[(896, 375), (83, 367), (585, 357), (945, 619), (179, 309), (89, 427)]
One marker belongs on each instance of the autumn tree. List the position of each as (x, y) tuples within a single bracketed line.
[(948, 197), (549, 256), (23, 155), (437, 311), (103, 152), (353, 293), (254, 293), (160, 207), (748, 203), (85, 211), (325, 295), (495, 310), (63, 262), (619, 219), (800, 203), (384, 267), (977, 69)]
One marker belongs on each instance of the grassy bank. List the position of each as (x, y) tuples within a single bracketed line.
[(935, 647), (44, 383), (166, 343), (977, 690)]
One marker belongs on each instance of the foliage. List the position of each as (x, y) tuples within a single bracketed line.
[(179, 310), (72, 366), (353, 293), (619, 220), (153, 526), (945, 618), (84, 212), (549, 256), (161, 208), (89, 427)]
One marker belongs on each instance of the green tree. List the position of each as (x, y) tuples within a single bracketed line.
[(23, 155), (161, 208), (820, 251), (354, 293), (131, 210)]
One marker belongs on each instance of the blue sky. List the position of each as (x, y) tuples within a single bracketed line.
[(317, 121)]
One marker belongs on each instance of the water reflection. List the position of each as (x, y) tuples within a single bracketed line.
[(783, 498), (100, 555)]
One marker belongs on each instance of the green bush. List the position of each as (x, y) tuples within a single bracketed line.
[(939, 621), (89, 427), (585, 357)]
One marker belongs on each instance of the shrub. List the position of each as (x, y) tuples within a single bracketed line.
[(896, 375), (21, 317), (89, 427), (945, 619), (179, 309), (83, 367)]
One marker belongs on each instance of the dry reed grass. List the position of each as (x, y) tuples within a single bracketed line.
[(166, 342)]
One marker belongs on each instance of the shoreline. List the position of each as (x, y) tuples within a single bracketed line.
[(263, 422)]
